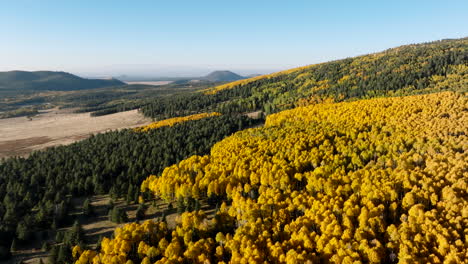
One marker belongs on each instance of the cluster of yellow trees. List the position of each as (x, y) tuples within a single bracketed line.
[(371, 181), (174, 121)]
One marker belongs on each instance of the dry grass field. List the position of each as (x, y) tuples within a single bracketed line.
[(21, 135), (151, 83)]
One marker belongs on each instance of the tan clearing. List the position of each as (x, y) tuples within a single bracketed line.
[(19, 136), (151, 83)]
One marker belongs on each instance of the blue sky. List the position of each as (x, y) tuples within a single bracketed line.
[(103, 37)]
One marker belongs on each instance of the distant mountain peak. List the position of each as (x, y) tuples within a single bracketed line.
[(223, 76)]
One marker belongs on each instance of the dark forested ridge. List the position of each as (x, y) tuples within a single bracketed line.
[(50, 81), (223, 76), (406, 70), (35, 192)]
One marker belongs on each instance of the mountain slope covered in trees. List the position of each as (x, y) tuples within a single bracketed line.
[(35, 192), (374, 181), (412, 69)]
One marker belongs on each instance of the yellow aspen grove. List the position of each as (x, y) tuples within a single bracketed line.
[(372, 181)]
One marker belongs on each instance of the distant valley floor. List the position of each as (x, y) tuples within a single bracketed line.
[(20, 136)]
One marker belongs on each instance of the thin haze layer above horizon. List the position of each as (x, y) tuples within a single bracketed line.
[(190, 38)]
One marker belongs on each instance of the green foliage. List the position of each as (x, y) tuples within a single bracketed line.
[(223, 76), (64, 254), (98, 101), (118, 215), (52, 258), (87, 207), (45, 246), (14, 245), (98, 244), (59, 237), (75, 235), (22, 231), (140, 213), (371, 181), (110, 162), (115, 162), (412, 69), (26, 111), (180, 205)]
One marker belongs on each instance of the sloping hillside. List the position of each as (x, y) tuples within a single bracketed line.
[(401, 60), (410, 69), (112, 163), (371, 181), (405, 70), (222, 76), (50, 81)]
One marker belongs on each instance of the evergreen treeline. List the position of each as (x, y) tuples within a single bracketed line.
[(405, 70), (35, 191)]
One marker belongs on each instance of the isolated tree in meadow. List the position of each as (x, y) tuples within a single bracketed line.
[(117, 215), (76, 234), (87, 207), (98, 244), (64, 254), (140, 213), (52, 258), (45, 246), (59, 237), (14, 245), (23, 232)]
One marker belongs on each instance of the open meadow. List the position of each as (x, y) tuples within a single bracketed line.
[(21, 135)]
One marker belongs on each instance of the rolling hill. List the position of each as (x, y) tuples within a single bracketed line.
[(222, 76), (50, 81)]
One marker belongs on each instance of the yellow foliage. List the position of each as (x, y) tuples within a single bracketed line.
[(231, 85), (357, 182), (174, 121)]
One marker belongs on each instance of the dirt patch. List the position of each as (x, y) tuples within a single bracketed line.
[(20, 147), (19, 136), (255, 115), (151, 83)]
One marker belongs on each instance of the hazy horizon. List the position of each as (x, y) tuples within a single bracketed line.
[(155, 71), (171, 71), (167, 39), (179, 71)]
